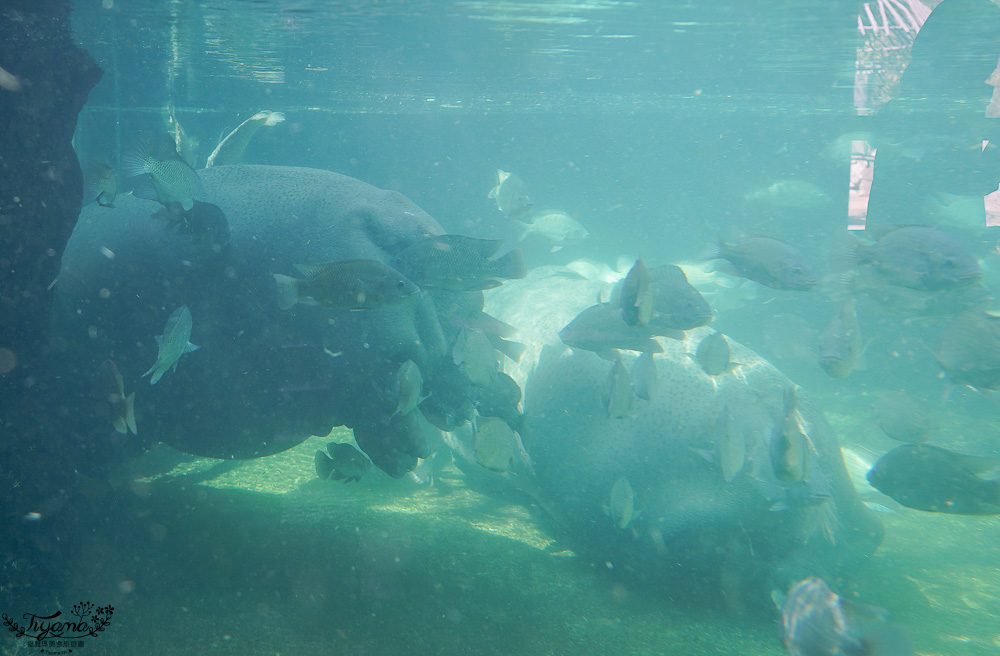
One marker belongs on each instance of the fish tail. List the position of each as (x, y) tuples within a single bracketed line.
[(273, 119), (288, 291), (157, 372), (510, 266), (130, 413), (119, 424), (324, 465), (137, 162), (711, 252)]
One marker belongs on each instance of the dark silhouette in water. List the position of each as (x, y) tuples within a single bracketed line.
[(929, 138)]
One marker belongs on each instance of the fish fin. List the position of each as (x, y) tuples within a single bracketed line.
[(189, 347), (158, 339), (288, 291), (513, 350), (145, 189), (555, 249), (510, 266), (130, 413), (609, 354), (711, 252), (273, 119), (706, 454), (187, 204), (135, 162), (119, 424), (493, 193), (324, 465), (157, 373), (309, 270)]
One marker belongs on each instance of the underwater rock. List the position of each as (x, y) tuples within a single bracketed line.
[(742, 536)]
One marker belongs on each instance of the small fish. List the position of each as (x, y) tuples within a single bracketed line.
[(916, 257), (676, 303), (102, 184), (601, 329), (637, 295), (459, 263), (815, 621), (900, 417), (502, 398), (793, 194), (644, 378), (557, 228), (969, 350), (768, 261), (9, 81), (495, 444), (409, 388), (621, 503), (511, 195), (789, 447), (344, 285), (345, 462), (475, 356), (618, 392), (840, 347), (169, 179), (926, 477), (112, 404), (173, 343), (713, 355), (230, 149)]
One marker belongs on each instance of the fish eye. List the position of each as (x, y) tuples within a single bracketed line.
[(949, 262), (400, 285)]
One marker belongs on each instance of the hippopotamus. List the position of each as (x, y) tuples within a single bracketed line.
[(263, 379), (745, 536)]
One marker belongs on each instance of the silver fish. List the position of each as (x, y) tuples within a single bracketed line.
[(840, 347), (112, 404), (475, 356), (495, 444), (621, 503), (644, 378), (102, 184), (768, 261), (173, 343), (900, 417), (713, 355), (511, 195), (637, 295), (409, 387), (557, 228), (617, 394)]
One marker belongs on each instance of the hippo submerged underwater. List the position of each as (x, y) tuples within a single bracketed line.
[(264, 378)]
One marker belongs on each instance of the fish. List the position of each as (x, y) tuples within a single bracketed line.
[(230, 149), (204, 223), (344, 285), (676, 304), (459, 263), (917, 257), (345, 462), (969, 350), (501, 398), (409, 385), (168, 178), (815, 621), (637, 295), (768, 261), (713, 355), (621, 503), (475, 356), (9, 81), (644, 379), (933, 479), (900, 417), (112, 404), (102, 184), (617, 393), (511, 195), (173, 343), (840, 346), (601, 329), (793, 194), (789, 445), (557, 228), (494, 443)]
